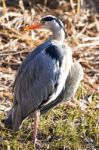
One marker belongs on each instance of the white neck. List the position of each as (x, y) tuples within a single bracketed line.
[(58, 35)]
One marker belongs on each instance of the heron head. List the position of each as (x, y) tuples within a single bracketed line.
[(51, 23), (48, 22)]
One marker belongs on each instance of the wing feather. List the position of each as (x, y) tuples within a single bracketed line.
[(37, 79)]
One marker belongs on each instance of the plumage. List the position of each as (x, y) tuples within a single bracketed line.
[(46, 77), (72, 82), (35, 84)]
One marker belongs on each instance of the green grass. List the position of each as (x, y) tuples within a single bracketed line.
[(62, 127)]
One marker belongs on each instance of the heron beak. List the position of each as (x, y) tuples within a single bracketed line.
[(33, 26)]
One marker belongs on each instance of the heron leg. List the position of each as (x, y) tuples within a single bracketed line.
[(36, 115)]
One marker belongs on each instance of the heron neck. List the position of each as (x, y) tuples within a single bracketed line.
[(58, 35)]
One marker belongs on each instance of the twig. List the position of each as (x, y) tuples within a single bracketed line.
[(78, 6), (88, 44), (4, 7), (72, 5), (96, 23), (11, 14), (82, 31), (19, 36), (13, 54), (90, 39)]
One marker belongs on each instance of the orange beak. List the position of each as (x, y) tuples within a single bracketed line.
[(33, 26)]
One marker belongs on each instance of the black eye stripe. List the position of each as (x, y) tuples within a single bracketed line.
[(60, 25), (51, 19), (47, 19), (58, 22)]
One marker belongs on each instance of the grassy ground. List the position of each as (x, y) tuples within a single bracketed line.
[(64, 127)]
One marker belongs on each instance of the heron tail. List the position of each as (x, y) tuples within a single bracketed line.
[(16, 117)]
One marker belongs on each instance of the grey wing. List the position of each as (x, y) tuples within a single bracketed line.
[(35, 82), (71, 86)]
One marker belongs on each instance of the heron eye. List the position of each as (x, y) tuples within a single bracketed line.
[(47, 19)]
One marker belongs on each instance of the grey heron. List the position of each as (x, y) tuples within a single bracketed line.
[(45, 78)]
